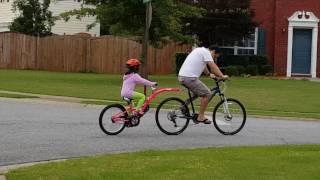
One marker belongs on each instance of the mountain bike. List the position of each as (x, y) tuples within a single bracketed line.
[(115, 118), (173, 114)]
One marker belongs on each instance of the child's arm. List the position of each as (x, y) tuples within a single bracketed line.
[(143, 81)]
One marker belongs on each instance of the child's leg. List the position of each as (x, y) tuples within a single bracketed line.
[(140, 98)]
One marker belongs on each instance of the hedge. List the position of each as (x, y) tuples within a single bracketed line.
[(233, 60), (232, 71), (252, 70), (250, 64), (180, 57)]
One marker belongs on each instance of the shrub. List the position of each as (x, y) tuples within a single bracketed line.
[(180, 57), (231, 60), (258, 60), (252, 70), (265, 69), (241, 70), (232, 71)]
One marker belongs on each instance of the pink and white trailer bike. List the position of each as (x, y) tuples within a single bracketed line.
[(115, 117)]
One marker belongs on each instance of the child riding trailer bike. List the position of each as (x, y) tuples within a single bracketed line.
[(173, 114)]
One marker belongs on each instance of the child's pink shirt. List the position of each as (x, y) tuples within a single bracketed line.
[(129, 84)]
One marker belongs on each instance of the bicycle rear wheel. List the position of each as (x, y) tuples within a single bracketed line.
[(229, 116), (172, 116), (112, 119)]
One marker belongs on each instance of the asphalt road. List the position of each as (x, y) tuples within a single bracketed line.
[(36, 130)]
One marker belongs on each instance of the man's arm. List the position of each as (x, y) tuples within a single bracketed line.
[(215, 69), (206, 71)]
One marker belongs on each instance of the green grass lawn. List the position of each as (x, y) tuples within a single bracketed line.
[(292, 98), (273, 162)]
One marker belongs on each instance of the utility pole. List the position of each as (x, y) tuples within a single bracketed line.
[(144, 56)]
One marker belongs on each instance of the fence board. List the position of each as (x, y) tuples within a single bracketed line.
[(106, 54)]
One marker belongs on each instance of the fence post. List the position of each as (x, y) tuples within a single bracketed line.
[(88, 55), (36, 54)]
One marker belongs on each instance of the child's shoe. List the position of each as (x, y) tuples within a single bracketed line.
[(140, 113)]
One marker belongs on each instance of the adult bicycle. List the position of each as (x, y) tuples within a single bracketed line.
[(173, 114)]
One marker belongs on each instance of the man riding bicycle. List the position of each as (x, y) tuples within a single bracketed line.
[(196, 63)]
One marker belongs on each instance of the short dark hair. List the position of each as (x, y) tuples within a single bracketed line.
[(215, 48)]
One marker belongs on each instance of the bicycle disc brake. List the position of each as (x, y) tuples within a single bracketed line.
[(228, 117)]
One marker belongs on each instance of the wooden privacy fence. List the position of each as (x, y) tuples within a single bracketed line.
[(106, 54)]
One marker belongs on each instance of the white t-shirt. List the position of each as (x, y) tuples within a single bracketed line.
[(195, 62)]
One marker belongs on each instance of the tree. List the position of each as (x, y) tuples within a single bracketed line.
[(127, 18), (35, 19), (225, 21)]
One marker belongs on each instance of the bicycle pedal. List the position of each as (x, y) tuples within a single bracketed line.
[(195, 117)]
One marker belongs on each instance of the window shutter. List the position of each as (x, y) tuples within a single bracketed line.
[(261, 41)]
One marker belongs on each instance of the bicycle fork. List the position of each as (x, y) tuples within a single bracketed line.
[(226, 111)]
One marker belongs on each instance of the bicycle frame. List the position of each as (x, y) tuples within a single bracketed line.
[(156, 93), (215, 90)]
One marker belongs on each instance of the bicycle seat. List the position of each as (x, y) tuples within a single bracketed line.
[(184, 86)]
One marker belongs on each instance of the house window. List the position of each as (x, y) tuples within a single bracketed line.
[(247, 46), (3, 1)]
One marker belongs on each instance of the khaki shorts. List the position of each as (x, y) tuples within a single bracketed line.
[(195, 85)]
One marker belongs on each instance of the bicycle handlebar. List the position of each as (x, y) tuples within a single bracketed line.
[(154, 87), (219, 79)]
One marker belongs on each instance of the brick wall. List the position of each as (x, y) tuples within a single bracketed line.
[(264, 15), (273, 15)]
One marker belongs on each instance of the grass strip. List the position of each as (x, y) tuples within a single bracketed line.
[(265, 162), (263, 96)]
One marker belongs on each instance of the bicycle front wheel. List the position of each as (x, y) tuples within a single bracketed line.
[(172, 116), (112, 119), (229, 116)]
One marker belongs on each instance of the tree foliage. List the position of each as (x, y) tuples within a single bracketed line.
[(34, 19), (225, 21), (212, 21), (127, 18)]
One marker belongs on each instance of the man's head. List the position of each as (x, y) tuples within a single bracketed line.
[(215, 51)]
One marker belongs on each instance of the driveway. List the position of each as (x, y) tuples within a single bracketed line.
[(37, 130)]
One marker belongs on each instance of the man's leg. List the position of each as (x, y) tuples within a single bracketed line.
[(204, 101), (200, 89), (204, 92)]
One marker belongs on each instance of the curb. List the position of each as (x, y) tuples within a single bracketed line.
[(5, 169), (81, 100), (51, 97)]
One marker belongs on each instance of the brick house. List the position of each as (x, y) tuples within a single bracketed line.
[(290, 33), (287, 34)]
